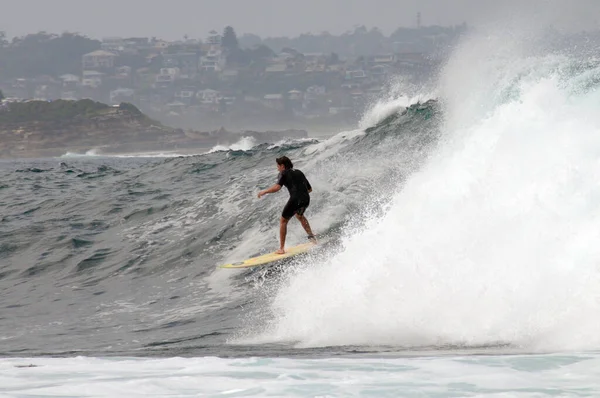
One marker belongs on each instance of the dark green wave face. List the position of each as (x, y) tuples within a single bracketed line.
[(119, 255), (493, 182), (485, 238)]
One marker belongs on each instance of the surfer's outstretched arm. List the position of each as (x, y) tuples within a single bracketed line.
[(273, 189)]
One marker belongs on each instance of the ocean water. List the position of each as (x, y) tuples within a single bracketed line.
[(461, 256), (421, 376)]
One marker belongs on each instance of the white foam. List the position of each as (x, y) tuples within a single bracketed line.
[(159, 154), (97, 152), (244, 144), (494, 240), (90, 153), (290, 141), (400, 95), (506, 375)]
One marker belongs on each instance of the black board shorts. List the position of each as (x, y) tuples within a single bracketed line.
[(295, 206)]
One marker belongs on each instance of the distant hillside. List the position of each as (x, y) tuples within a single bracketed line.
[(60, 110), (51, 128), (35, 128)]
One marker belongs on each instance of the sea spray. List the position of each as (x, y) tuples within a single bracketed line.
[(492, 241)]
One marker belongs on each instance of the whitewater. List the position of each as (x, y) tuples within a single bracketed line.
[(462, 257)]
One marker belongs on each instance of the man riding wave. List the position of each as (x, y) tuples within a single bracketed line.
[(299, 189)]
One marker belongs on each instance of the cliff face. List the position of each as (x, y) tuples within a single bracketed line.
[(37, 129), (43, 134), (41, 128)]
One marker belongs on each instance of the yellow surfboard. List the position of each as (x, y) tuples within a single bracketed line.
[(270, 257)]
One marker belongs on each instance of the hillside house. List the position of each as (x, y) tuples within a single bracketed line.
[(99, 60)]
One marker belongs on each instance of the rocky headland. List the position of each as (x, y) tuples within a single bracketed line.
[(52, 128)]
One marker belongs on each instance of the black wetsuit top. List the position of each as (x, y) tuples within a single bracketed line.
[(298, 187)]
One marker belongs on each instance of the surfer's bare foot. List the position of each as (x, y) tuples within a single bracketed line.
[(280, 251), (312, 239)]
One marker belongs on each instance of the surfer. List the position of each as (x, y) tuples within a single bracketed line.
[(299, 189)]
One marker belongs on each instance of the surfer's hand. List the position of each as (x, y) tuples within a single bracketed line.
[(260, 194)]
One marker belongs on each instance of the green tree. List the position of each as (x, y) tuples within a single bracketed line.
[(238, 57), (230, 41), (249, 40), (174, 49), (288, 109), (45, 54), (255, 56), (222, 106), (135, 61), (58, 110), (333, 59), (261, 52), (129, 107)]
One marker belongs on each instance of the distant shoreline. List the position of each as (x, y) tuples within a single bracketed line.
[(39, 129)]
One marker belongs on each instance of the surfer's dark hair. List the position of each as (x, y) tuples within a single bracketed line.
[(284, 160)]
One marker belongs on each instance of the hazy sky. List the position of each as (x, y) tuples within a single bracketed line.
[(171, 19)]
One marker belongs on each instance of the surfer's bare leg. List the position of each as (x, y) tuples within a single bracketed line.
[(282, 233), (306, 227)]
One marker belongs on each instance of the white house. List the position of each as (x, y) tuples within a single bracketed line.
[(123, 70), (161, 45), (121, 95), (113, 44), (229, 75), (214, 38), (356, 74), (185, 95), (176, 107), (273, 101), (69, 95), (208, 96), (98, 60), (92, 79), (315, 91), (276, 68), (168, 75), (214, 60), (70, 81), (295, 95)]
